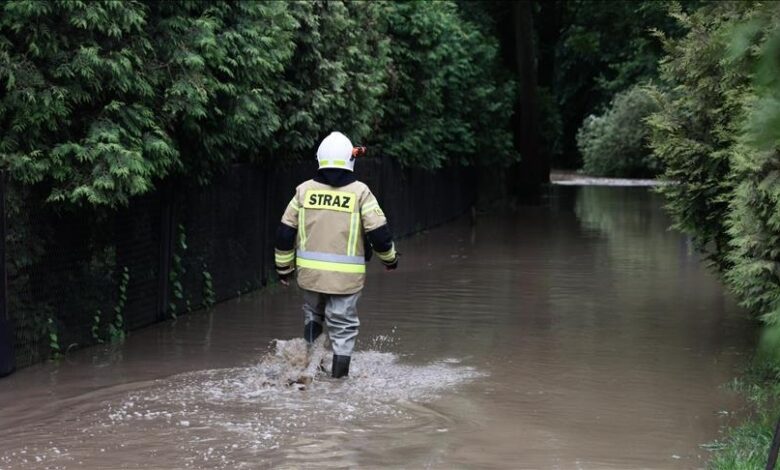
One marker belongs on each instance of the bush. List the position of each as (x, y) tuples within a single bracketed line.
[(616, 142), (446, 96), (337, 77), (695, 130), (718, 132), (101, 100), (754, 212)]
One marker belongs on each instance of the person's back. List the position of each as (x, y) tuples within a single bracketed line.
[(322, 234)]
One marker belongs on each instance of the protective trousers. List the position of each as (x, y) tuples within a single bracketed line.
[(338, 313)]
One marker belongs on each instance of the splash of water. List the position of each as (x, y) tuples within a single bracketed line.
[(293, 362), (229, 418), (257, 403)]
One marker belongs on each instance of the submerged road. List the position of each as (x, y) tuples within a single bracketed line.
[(579, 333)]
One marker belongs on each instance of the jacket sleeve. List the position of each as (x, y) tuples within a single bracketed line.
[(377, 230), (284, 247)]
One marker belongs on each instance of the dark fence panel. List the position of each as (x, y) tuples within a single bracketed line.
[(62, 275), (138, 241), (80, 277), (7, 359)]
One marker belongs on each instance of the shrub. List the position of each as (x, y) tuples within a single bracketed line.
[(103, 98), (694, 131), (718, 132), (100, 100), (616, 142), (754, 213)]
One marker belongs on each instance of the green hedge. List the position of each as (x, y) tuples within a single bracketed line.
[(102, 99), (727, 195), (718, 133), (695, 129)]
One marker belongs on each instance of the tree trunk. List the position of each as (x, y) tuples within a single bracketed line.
[(550, 22), (533, 171)]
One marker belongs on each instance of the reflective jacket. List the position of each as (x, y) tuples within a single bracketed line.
[(329, 249)]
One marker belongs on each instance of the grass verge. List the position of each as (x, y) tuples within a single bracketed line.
[(746, 446)]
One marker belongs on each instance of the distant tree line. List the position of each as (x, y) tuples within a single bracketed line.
[(589, 52), (102, 99)]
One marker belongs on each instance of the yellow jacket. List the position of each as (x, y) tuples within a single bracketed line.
[(329, 251)]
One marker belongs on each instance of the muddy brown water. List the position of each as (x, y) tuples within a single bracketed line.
[(578, 333)]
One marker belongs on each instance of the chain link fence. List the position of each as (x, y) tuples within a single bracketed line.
[(78, 277)]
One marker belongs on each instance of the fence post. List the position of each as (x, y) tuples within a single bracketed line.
[(7, 357)]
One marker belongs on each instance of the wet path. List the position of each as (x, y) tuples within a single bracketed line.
[(577, 334)]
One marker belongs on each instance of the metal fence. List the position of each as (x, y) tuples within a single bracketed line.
[(77, 277)]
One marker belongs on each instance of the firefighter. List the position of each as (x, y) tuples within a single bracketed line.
[(323, 235)]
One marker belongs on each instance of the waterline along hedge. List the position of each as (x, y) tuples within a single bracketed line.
[(726, 166), (718, 133), (696, 129), (103, 99)]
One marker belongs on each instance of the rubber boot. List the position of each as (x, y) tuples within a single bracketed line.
[(340, 366), (311, 331)]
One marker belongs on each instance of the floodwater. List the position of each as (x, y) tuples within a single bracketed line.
[(578, 333)]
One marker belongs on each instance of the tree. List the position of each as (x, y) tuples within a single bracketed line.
[(533, 170), (514, 26), (447, 98), (103, 98), (695, 130), (602, 47), (337, 78), (753, 223)]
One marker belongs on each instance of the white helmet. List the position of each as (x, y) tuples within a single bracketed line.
[(335, 151)]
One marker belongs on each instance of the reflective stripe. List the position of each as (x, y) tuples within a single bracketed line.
[(354, 223), (340, 163), (357, 233), (284, 258), (302, 228), (332, 257), (335, 267), (388, 255), (351, 234), (369, 207)]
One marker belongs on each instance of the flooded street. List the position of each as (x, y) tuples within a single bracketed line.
[(579, 333)]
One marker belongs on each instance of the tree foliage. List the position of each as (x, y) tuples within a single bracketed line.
[(601, 48), (696, 129), (102, 99), (337, 77), (446, 96), (754, 213), (616, 142), (715, 135)]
